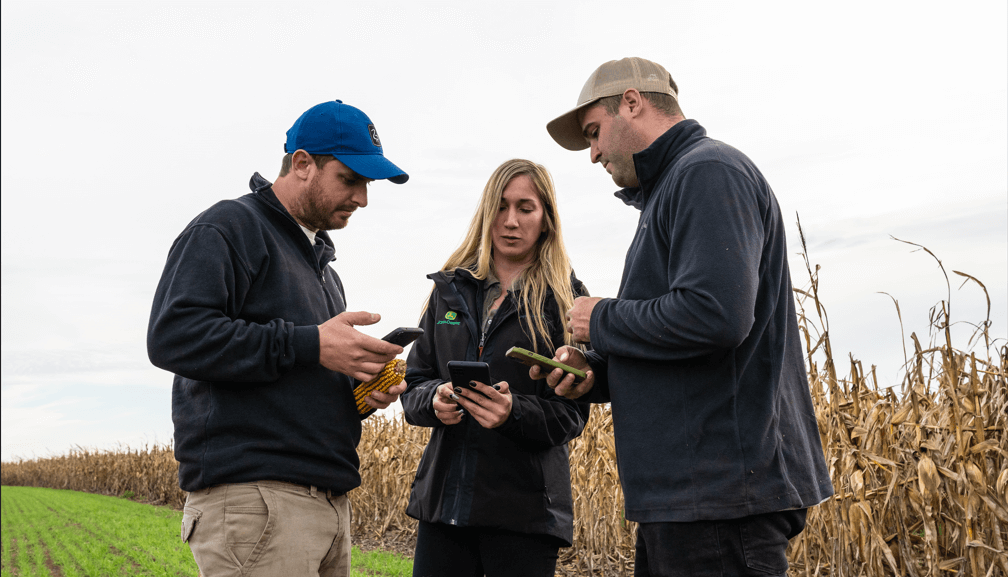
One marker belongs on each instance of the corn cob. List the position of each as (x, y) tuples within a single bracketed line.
[(390, 376)]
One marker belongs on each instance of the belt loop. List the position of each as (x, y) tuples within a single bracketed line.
[(313, 490)]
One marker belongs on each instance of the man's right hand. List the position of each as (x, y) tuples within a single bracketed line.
[(344, 349), (562, 382)]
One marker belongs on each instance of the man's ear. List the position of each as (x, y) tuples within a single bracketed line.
[(632, 103), (302, 164)]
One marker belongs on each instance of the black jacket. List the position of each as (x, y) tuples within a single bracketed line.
[(517, 476), (235, 318), (700, 354)]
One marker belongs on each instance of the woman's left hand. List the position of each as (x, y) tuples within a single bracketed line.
[(490, 406)]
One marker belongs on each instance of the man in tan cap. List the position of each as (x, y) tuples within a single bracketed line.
[(699, 353)]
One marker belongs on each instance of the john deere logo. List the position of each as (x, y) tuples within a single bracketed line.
[(374, 135), (449, 319)]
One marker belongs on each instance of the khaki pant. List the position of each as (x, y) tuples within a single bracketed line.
[(268, 528)]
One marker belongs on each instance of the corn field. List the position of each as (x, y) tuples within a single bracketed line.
[(920, 473), (150, 473)]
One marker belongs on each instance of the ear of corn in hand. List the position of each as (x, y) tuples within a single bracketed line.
[(390, 376)]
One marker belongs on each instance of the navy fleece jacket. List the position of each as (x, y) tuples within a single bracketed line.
[(235, 318), (700, 353)]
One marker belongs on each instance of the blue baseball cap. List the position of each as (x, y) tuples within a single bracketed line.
[(346, 133)]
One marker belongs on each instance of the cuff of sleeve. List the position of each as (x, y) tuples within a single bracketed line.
[(599, 392), (595, 322), (513, 422), (306, 345)]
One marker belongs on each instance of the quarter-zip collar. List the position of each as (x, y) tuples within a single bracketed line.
[(323, 253), (651, 162)]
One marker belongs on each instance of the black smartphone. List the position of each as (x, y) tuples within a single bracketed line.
[(403, 336), (545, 364), (464, 371)]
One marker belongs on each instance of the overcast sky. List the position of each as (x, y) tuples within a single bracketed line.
[(122, 121)]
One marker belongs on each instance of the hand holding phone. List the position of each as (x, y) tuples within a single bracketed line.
[(462, 372), (489, 411), (547, 365)]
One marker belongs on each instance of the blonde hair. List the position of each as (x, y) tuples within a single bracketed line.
[(550, 269)]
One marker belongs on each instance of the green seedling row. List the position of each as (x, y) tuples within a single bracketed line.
[(53, 532), (48, 531)]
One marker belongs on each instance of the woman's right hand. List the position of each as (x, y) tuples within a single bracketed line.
[(445, 409)]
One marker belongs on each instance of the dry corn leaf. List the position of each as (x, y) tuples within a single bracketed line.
[(857, 485), (927, 476), (995, 508), (859, 432), (976, 478), (886, 552), (952, 564), (949, 473), (880, 460), (988, 445), (979, 545)]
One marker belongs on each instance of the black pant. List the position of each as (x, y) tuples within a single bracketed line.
[(450, 551), (749, 546)]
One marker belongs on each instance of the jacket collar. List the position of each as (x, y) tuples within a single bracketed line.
[(443, 278), (651, 162), (263, 190)]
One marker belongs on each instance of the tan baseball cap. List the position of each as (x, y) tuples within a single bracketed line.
[(612, 78)]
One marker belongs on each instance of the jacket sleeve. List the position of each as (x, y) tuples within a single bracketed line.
[(545, 419), (194, 329), (422, 375), (600, 390), (714, 236)]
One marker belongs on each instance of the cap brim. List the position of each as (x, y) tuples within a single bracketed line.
[(373, 166), (566, 130)]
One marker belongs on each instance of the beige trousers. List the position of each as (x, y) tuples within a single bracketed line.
[(268, 528)]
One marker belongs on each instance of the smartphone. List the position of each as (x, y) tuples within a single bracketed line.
[(464, 371), (403, 336), (529, 358)]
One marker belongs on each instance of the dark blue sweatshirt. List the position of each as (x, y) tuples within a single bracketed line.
[(700, 352), (236, 317)]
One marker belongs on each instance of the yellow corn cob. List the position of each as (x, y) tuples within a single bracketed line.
[(390, 376)]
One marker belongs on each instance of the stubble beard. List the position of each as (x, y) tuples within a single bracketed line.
[(314, 214), (624, 174), (624, 143)]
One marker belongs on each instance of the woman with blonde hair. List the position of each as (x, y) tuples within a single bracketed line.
[(492, 490)]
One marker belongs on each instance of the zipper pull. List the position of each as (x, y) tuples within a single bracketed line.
[(481, 343)]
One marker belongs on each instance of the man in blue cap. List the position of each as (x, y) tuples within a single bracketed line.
[(252, 320)]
